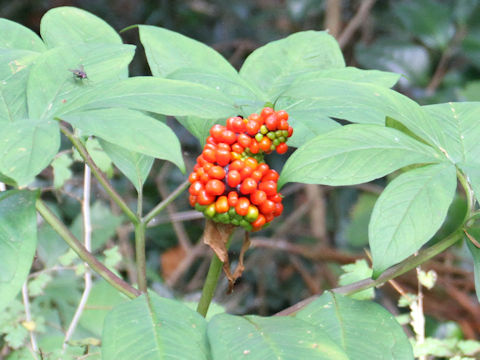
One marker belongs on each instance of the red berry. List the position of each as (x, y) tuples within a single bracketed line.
[(215, 187), (266, 112), (223, 157), (246, 172), (278, 209), (277, 198), (192, 200), (195, 188), (244, 140), (223, 146), (237, 148), (228, 137), (290, 131), (269, 186), (254, 147), (265, 144), (216, 172), (257, 224), (258, 197), (193, 177), (283, 125), (267, 207), (271, 122), (270, 175), (216, 131), (282, 115), (209, 155), (252, 127), (205, 199), (242, 206), (248, 186), (232, 198), (256, 175), (233, 178), (237, 165), (282, 148)]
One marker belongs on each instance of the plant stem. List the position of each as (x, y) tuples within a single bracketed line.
[(210, 285), (396, 270), (140, 257), (83, 253), (162, 205), (102, 179)]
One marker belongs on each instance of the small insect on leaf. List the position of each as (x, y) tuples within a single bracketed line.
[(79, 74)]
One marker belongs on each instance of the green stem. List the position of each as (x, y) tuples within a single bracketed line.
[(140, 257), (83, 253), (162, 205), (210, 285), (102, 179)]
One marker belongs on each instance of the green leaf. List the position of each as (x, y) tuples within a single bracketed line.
[(475, 252), (51, 84), (459, 121), (234, 87), (154, 328), (357, 230), (377, 77), (198, 127), (307, 125), (69, 25), (168, 51), (112, 257), (102, 299), (365, 330), (273, 66), (16, 36), (359, 102), (356, 272), (61, 169), (409, 212), (131, 130), (18, 240), (26, 148), (239, 337), (98, 156), (133, 165), (354, 154), (163, 96), (14, 69)]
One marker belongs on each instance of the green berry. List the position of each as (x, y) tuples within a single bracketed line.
[(258, 137), (235, 222), (232, 212), (224, 218), (252, 214), (271, 135), (285, 133), (209, 211), (244, 223), (279, 133), (276, 142), (272, 147), (282, 139), (264, 130)]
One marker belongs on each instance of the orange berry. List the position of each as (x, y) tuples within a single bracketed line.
[(251, 162), (257, 224), (233, 178), (265, 144), (215, 187), (195, 188), (205, 199), (216, 172), (223, 157), (232, 198), (221, 205), (248, 186), (258, 197), (242, 206)]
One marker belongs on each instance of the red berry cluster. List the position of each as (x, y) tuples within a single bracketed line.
[(230, 182)]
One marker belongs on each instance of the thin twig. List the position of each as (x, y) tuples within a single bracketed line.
[(87, 240), (162, 205), (333, 16), (178, 227), (355, 22), (28, 317), (442, 66)]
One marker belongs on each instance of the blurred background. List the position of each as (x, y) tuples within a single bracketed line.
[(434, 44)]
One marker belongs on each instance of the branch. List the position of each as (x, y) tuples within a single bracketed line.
[(162, 205), (355, 22), (396, 270), (83, 253), (28, 317), (102, 179), (87, 240)]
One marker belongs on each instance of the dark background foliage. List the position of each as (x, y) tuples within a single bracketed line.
[(434, 44)]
